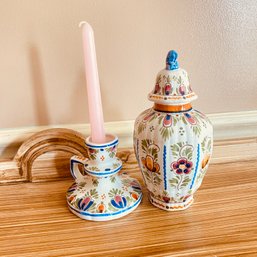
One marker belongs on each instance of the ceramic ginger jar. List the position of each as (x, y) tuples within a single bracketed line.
[(172, 141)]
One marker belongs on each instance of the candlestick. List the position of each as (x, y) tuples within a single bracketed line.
[(93, 87), (102, 176)]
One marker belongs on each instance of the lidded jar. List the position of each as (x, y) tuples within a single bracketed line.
[(172, 141)]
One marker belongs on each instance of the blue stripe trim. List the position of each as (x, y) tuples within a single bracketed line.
[(103, 173), (103, 146), (137, 152), (139, 162), (164, 167), (107, 214), (197, 164)]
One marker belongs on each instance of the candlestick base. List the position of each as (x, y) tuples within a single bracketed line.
[(101, 192)]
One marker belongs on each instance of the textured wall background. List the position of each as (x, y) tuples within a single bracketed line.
[(41, 66)]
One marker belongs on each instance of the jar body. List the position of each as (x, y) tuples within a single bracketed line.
[(173, 150)]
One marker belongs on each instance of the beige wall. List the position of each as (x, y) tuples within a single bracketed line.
[(41, 66)]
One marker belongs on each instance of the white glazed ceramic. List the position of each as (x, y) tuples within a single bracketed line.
[(100, 191), (172, 141)]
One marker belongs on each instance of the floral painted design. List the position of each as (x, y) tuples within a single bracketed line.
[(116, 165), (91, 168), (101, 208), (182, 89), (157, 87), (165, 123), (168, 87), (136, 190), (150, 164), (179, 181), (112, 151), (81, 201), (206, 146), (150, 161), (72, 188), (92, 153), (147, 117), (95, 182), (89, 201), (136, 186), (206, 160), (182, 166), (113, 179), (85, 204), (134, 195), (182, 149), (165, 197), (163, 85), (190, 118), (119, 202)]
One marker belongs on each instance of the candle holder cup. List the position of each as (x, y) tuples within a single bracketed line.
[(100, 192)]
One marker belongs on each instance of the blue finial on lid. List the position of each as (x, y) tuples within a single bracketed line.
[(171, 60)]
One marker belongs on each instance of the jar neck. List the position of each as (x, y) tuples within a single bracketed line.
[(172, 108)]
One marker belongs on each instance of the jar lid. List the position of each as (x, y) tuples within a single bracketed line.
[(172, 85)]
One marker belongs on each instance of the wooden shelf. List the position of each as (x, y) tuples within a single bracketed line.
[(35, 221)]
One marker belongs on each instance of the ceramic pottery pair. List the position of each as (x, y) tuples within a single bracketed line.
[(173, 145), (100, 192), (172, 141)]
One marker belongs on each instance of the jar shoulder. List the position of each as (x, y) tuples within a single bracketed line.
[(150, 115), (189, 125)]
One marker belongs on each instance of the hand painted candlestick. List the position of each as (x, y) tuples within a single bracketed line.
[(101, 191), (93, 87)]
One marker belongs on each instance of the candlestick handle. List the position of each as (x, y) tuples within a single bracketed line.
[(75, 161)]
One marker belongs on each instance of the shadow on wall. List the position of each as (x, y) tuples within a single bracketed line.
[(38, 89), (78, 100), (111, 106)]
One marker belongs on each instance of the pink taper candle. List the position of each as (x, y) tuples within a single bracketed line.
[(93, 87)]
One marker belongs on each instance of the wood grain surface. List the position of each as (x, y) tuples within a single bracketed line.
[(35, 221)]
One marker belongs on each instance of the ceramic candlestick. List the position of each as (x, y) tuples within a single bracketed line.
[(172, 141), (100, 192)]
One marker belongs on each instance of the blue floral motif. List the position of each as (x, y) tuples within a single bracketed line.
[(190, 118), (84, 204), (167, 121), (72, 188), (119, 202)]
